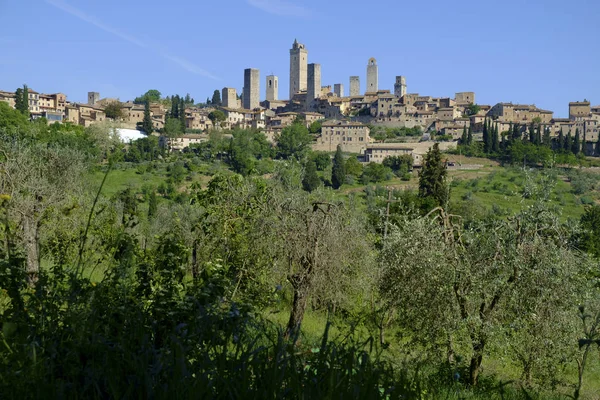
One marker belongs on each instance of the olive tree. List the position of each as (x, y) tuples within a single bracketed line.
[(322, 251), (462, 289), (39, 180)]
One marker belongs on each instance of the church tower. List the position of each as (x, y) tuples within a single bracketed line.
[(298, 68)]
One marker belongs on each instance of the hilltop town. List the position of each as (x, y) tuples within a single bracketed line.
[(346, 119)]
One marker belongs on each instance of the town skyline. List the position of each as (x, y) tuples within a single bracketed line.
[(440, 65)]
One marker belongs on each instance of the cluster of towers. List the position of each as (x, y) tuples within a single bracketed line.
[(304, 77)]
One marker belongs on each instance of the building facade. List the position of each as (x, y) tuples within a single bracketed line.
[(338, 89), (272, 88), (314, 83), (298, 68), (354, 86), (350, 135), (400, 86), (372, 76), (229, 97), (251, 89)]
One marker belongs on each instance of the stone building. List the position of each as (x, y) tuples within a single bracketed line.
[(354, 86), (8, 97), (464, 98), (251, 88), (352, 136), (372, 76), (229, 98), (377, 152), (519, 113), (272, 88), (313, 90), (400, 86), (579, 110), (93, 98), (338, 89), (298, 68)]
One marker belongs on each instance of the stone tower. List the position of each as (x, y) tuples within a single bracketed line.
[(338, 89), (93, 98), (229, 98), (314, 83), (354, 86), (298, 68), (400, 86), (251, 88), (372, 76), (272, 88)]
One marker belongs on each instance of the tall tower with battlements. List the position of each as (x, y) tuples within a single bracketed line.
[(372, 76), (251, 88), (93, 98), (314, 83), (400, 86), (298, 68), (354, 86), (272, 88)]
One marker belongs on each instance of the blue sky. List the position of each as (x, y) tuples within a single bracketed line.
[(527, 51)]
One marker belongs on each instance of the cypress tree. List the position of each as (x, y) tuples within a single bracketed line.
[(561, 140), (576, 147), (207, 101), (584, 149), (516, 134), (538, 135), (216, 98), (432, 179), (22, 100), (495, 141), (598, 146), (547, 139), (568, 143), (486, 138), (532, 133), (338, 171), (470, 135), (175, 107), (152, 204), (463, 138), (182, 114), (311, 179), (147, 122)]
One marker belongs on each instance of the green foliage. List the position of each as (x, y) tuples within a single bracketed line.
[(432, 178), (114, 110), (375, 172), (147, 125), (338, 172), (22, 101), (400, 165), (353, 167), (293, 142), (246, 148), (151, 96), (217, 116), (216, 98), (311, 180), (315, 127), (11, 119), (469, 286), (473, 109), (322, 160)]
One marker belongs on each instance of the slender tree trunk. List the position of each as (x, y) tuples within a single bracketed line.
[(195, 261), (476, 359), (301, 291), (31, 233)]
